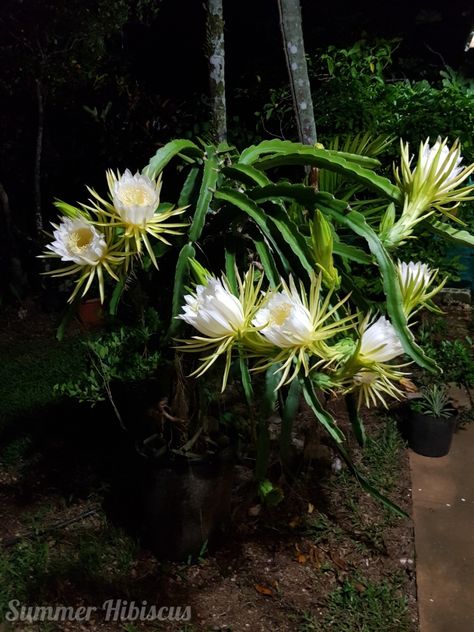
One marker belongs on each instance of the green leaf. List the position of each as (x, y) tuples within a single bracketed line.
[(116, 296), (356, 159), (325, 160), (244, 203), (267, 260), (230, 271), (253, 153), (181, 274), (274, 224), (362, 143), (189, 186), (248, 206), (246, 379), (270, 395), (304, 195), (288, 153), (209, 180), (168, 152), (453, 234), (246, 174), (321, 415), (276, 146), (290, 233), (284, 147), (351, 252), (270, 494), (68, 209)]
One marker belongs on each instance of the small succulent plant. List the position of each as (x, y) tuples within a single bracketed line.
[(435, 402)]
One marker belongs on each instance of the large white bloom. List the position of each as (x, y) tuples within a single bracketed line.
[(299, 322), (79, 241), (439, 161), (213, 310), (380, 342), (284, 320), (135, 197)]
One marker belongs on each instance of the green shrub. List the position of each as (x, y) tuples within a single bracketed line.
[(127, 354)]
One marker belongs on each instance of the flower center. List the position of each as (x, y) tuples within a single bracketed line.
[(136, 196), (280, 313), (365, 377), (80, 240)]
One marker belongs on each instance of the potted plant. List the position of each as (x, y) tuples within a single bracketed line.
[(172, 484), (432, 423)]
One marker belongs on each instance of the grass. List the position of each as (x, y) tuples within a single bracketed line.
[(15, 455), (380, 462), (381, 456), (355, 607), (28, 373), (37, 569), (321, 528), (361, 603)]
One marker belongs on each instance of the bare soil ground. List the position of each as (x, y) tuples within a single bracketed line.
[(275, 569)]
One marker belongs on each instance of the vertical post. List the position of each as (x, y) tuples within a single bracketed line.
[(216, 59), (293, 43)]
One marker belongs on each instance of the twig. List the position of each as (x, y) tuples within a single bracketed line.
[(435, 52), (6, 542)]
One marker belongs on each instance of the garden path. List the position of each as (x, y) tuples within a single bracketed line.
[(443, 513)]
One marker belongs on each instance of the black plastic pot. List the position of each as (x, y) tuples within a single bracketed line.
[(430, 436), (184, 504)]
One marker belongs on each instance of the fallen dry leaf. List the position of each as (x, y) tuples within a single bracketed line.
[(408, 385), (263, 590), (294, 522), (315, 556), (339, 562)]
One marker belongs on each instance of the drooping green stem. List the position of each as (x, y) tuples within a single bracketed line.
[(355, 419), (288, 414)]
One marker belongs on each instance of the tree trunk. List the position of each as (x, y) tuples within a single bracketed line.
[(292, 32), (38, 155), (216, 59)]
